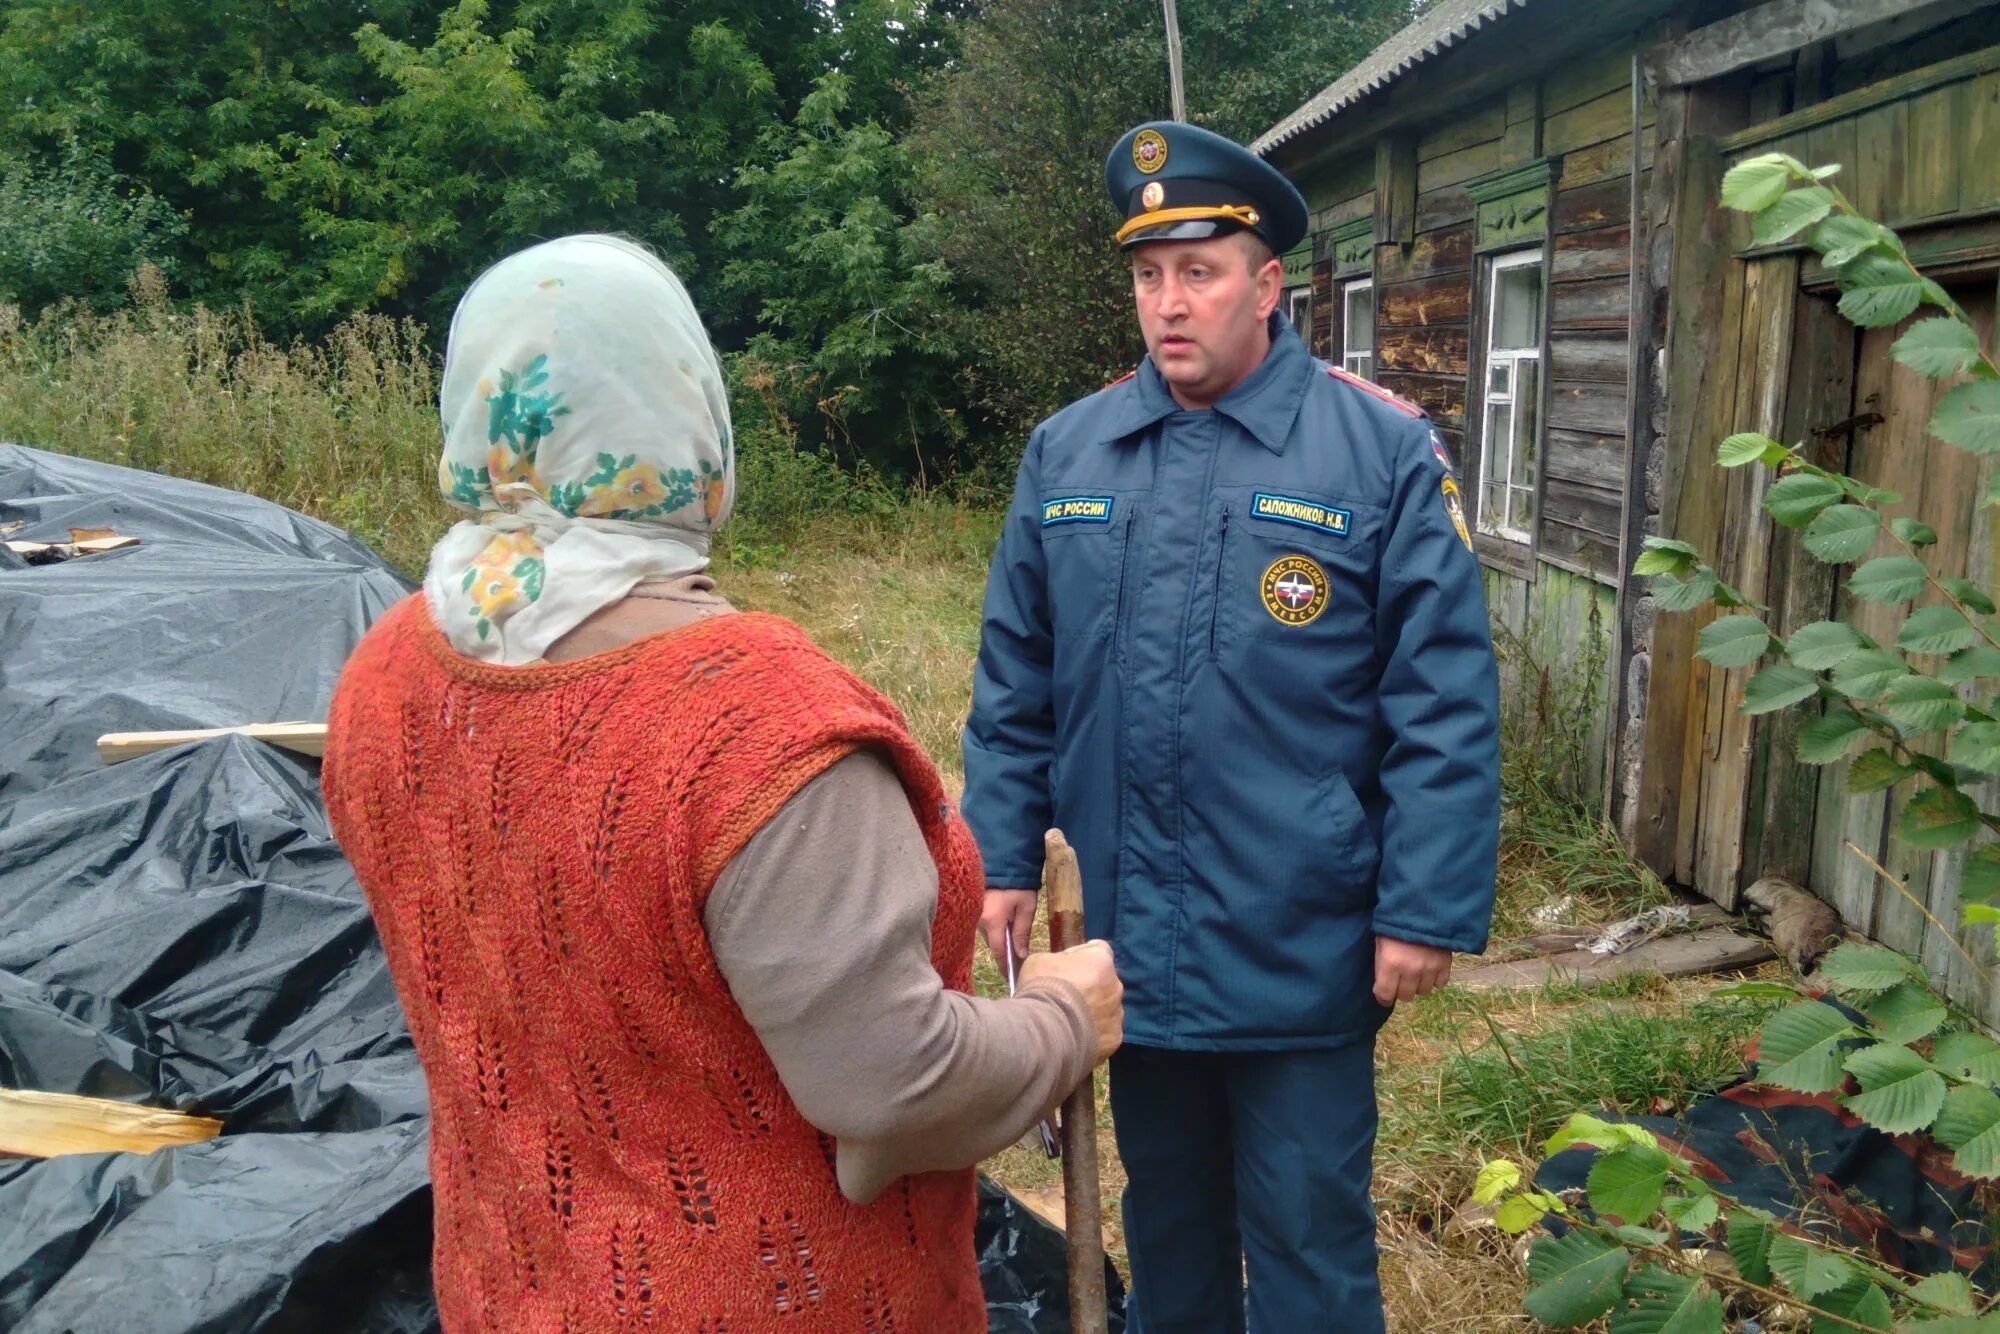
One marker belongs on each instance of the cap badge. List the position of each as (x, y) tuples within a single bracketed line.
[(1153, 195), (1149, 151)]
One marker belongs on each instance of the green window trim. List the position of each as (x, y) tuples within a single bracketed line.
[(1298, 264), (1352, 247), (1512, 206)]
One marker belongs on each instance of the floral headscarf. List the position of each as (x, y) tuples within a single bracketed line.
[(587, 427)]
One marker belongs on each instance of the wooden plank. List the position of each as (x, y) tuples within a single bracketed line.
[(1439, 395), (1896, 89), (50, 1125), (1457, 168), (1718, 949), (1947, 499), (1395, 189), (1524, 104), (1433, 253), (1741, 557), (1602, 252), (1601, 305), (1588, 79), (1588, 405), (1345, 210), (1596, 303), (1343, 178), (1584, 456), (1578, 551), (1771, 29), (1706, 321), (1611, 158), (1595, 122), (1596, 355), (1484, 125), (1521, 143), (1875, 185), (299, 738), (1605, 203), (1427, 301), (47, 553), (1932, 152), (1594, 509), (1821, 376), (1438, 209), (1834, 142), (1979, 145), (1441, 351)]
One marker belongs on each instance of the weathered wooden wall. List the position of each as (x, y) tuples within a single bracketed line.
[(1756, 343), (1342, 193), (1553, 639), (1423, 292), (1587, 122)]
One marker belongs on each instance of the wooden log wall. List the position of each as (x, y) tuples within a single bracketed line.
[(1423, 291), (1339, 195), (1587, 123)]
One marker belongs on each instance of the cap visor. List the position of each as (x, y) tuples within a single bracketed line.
[(1192, 229)]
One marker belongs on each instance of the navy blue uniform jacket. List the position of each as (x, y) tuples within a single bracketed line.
[(1241, 658)]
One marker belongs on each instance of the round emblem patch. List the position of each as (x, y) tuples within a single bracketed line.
[(1149, 151), (1294, 590), (1153, 195)]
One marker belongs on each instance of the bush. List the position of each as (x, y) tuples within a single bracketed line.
[(76, 231)]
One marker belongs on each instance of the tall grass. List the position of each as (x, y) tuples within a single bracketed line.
[(345, 430)]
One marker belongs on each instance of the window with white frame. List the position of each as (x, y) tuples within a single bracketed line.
[(1357, 328), (1510, 420), (1299, 310)]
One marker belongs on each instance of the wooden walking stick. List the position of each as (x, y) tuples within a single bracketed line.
[(1083, 1221)]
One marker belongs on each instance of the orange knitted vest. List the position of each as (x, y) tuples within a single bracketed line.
[(610, 1145)]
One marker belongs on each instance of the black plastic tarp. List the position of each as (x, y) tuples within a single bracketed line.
[(181, 930)]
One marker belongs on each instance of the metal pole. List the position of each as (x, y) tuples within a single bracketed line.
[(1174, 60)]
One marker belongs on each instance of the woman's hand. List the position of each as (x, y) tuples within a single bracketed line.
[(1091, 969)]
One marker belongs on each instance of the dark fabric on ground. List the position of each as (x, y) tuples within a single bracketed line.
[(1802, 1155)]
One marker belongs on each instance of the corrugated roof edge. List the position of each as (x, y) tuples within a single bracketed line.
[(1429, 35)]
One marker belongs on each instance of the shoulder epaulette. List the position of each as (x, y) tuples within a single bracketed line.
[(1120, 380), (1402, 405)]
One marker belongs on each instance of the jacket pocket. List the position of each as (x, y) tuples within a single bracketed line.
[(1087, 574), (1360, 856)]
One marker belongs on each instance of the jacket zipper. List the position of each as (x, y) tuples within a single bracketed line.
[(1215, 608), (1118, 606)]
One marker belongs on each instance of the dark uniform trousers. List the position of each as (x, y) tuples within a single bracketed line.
[(1257, 1158)]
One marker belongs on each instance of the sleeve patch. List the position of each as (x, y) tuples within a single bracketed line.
[(1455, 507)]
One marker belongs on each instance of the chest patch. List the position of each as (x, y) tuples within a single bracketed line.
[(1076, 509), (1294, 590), (1304, 513)]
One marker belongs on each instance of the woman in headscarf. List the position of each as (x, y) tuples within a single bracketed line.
[(681, 916)]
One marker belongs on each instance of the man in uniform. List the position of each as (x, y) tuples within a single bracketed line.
[(1235, 645)]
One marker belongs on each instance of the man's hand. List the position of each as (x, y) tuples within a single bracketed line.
[(1005, 908), (1404, 971)]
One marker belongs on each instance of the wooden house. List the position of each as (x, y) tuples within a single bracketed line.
[(1515, 224)]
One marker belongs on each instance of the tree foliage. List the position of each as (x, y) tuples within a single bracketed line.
[(914, 295)]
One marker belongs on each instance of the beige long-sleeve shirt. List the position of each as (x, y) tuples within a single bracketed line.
[(822, 927)]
